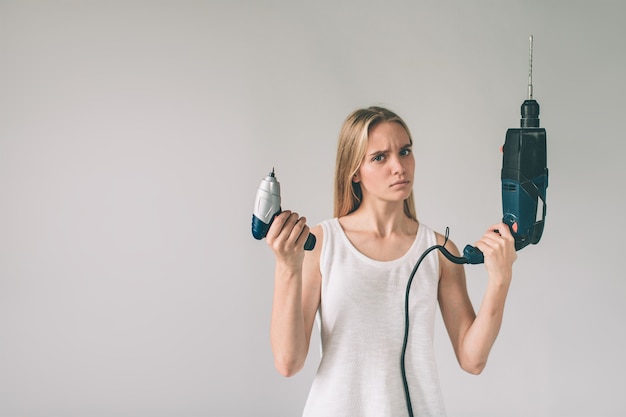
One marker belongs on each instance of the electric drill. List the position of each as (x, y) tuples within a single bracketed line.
[(524, 177), (267, 206)]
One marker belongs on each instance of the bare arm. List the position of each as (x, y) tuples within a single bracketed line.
[(296, 291), (473, 335)]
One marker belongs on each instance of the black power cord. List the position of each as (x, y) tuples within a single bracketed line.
[(452, 258)]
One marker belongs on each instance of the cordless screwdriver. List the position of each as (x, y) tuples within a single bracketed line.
[(524, 178), (267, 207)]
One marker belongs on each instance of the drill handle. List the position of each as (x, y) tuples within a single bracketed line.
[(310, 242), (473, 255), (260, 229)]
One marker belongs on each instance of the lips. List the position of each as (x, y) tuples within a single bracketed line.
[(400, 183)]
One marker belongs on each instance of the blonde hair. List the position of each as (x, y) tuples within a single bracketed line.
[(351, 149)]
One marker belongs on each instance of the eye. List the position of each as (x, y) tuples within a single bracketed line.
[(378, 158), (405, 152)]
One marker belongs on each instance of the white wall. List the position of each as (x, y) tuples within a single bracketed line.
[(133, 135)]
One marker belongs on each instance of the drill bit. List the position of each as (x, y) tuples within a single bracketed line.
[(530, 69)]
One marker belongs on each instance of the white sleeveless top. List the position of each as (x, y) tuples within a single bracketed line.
[(361, 320)]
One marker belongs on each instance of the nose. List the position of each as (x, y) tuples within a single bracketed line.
[(397, 166)]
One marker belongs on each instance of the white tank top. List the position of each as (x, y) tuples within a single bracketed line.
[(361, 320)]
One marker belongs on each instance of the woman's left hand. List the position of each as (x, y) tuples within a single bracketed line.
[(498, 246)]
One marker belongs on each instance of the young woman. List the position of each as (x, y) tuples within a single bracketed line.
[(356, 277)]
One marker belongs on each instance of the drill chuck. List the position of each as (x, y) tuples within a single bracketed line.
[(530, 114)]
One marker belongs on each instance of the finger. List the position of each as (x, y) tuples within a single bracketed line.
[(287, 236), (291, 222), (296, 230), (278, 224), (504, 236), (494, 228), (504, 230), (303, 232), (491, 240), (485, 246), (491, 236)]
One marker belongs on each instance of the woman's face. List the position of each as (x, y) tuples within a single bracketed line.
[(386, 172)]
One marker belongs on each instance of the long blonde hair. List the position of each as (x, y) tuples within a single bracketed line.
[(351, 149)]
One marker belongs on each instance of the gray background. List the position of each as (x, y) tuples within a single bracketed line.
[(133, 136)]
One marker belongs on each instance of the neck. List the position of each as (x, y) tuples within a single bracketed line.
[(383, 219)]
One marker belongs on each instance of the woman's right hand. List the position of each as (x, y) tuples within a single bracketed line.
[(287, 236)]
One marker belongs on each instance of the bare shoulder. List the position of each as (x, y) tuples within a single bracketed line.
[(448, 269), (453, 297), (318, 231), (449, 244)]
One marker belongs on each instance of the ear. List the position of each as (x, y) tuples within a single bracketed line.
[(356, 179)]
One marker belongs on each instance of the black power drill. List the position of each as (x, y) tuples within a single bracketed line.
[(524, 178), (524, 181)]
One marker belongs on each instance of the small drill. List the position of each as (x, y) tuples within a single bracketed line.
[(267, 206)]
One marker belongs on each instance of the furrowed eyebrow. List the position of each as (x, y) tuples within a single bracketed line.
[(386, 151)]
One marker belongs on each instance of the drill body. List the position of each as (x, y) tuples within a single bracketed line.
[(267, 206), (524, 178)]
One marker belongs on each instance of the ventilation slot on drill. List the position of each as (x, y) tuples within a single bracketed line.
[(509, 187)]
